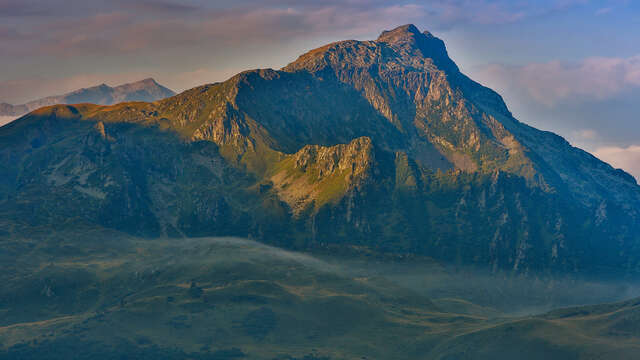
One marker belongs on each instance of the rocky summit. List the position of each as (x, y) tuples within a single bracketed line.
[(378, 147)]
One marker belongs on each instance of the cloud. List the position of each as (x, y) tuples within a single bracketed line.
[(604, 11), (6, 119), (184, 36), (12, 8), (554, 82), (88, 28), (158, 6), (627, 158), (479, 12), (586, 134)]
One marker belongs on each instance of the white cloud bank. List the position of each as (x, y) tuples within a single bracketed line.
[(627, 158), (6, 119), (555, 82)]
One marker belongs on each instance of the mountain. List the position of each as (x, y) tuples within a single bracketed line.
[(143, 90), (358, 147)]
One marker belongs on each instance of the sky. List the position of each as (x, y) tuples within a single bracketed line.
[(568, 66)]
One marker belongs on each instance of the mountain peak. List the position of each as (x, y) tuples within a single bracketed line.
[(407, 42), (145, 85), (148, 81), (400, 33), (411, 41)]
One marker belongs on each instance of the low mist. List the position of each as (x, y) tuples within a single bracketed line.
[(508, 294), (452, 289)]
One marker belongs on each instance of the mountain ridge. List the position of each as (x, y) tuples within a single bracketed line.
[(428, 162), (144, 90)]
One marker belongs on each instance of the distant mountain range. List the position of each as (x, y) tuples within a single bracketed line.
[(358, 146), (143, 90)]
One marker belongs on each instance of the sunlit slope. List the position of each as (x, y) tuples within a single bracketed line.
[(607, 331)]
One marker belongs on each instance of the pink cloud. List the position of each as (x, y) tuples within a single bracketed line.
[(125, 27), (587, 134), (550, 83), (6, 119), (626, 158)]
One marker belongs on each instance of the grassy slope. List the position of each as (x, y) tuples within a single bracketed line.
[(248, 296), (213, 298)]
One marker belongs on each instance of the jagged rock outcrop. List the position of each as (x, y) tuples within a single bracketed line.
[(318, 175)]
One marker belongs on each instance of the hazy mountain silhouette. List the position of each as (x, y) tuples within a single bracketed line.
[(143, 90)]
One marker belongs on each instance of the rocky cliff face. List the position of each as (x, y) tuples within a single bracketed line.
[(381, 145), (317, 175)]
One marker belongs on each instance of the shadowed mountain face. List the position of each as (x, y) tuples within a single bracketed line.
[(358, 146), (143, 90)]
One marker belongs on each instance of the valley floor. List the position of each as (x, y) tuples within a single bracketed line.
[(112, 296)]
